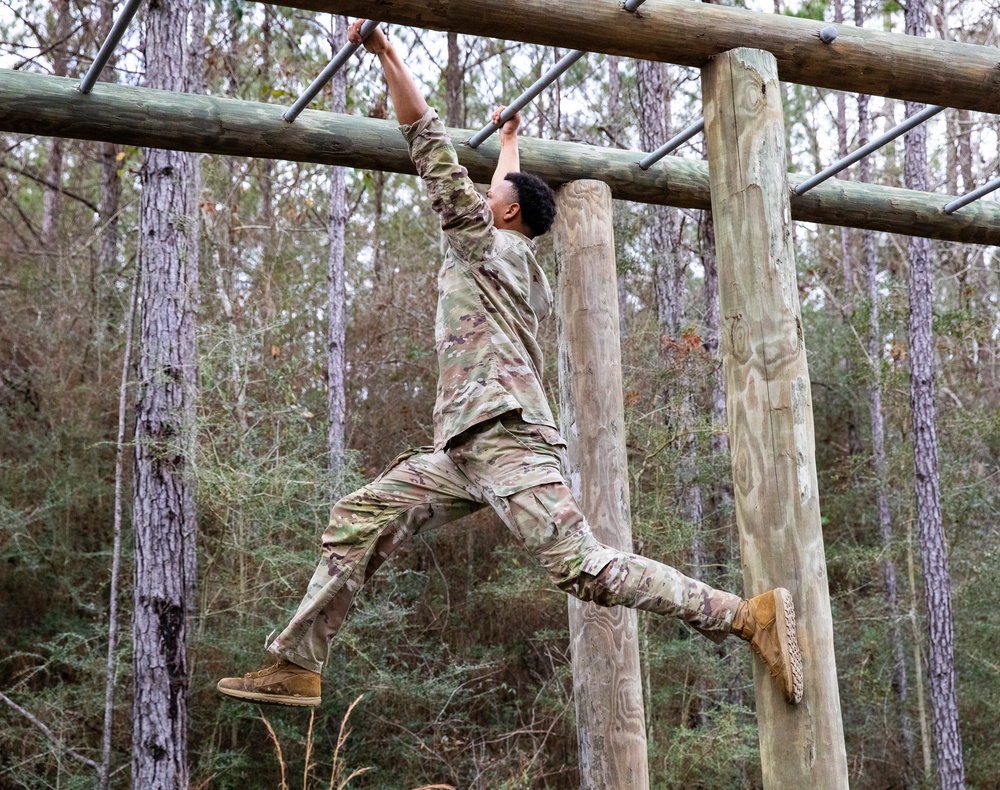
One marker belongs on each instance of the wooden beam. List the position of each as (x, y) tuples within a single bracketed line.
[(680, 31), (769, 404), (611, 727), (52, 106)]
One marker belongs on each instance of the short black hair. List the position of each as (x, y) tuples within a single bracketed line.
[(538, 202)]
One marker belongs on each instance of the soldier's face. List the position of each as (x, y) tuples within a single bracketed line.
[(500, 198)]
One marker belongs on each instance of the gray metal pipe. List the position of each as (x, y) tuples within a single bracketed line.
[(672, 144), (104, 54), (973, 196), (326, 75), (537, 87), (874, 145)]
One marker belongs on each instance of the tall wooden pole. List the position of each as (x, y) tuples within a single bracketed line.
[(770, 409), (606, 682)]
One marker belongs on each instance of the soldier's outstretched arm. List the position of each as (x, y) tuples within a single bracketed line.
[(407, 100), (509, 160)]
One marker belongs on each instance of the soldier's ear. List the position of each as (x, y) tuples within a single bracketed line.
[(512, 211)]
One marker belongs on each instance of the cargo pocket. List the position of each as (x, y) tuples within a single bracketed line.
[(597, 559)]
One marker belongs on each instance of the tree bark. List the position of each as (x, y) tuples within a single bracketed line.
[(454, 78), (336, 290), (52, 199), (164, 509), (769, 404), (652, 83), (930, 529), (877, 425), (606, 686)]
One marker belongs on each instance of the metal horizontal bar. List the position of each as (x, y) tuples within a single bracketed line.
[(672, 144), (310, 93), (108, 47), (973, 196), (874, 145), (537, 87)]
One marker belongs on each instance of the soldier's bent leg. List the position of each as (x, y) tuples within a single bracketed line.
[(553, 529), (420, 491)]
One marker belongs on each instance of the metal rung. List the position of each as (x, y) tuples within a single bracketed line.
[(537, 87), (108, 47), (672, 144), (326, 75), (973, 196), (911, 122)]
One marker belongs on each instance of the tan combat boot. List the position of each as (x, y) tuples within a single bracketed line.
[(283, 683), (767, 622)]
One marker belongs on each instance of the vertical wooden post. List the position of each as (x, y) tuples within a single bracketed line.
[(770, 408), (606, 683)]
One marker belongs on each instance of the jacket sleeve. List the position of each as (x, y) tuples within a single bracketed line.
[(465, 216)]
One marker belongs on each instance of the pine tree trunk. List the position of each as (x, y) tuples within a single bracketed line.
[(875, 340), (930, 530), (612, 128), (164, 512), (454, 77), (111, 185), (52, 199), (654, 126), (336, 404)]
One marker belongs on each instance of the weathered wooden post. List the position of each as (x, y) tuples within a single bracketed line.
[(770, 408), (609, 711)]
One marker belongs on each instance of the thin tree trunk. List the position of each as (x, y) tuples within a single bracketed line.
[(52, 198), (930, 530), (899, 684), (845, 248), (654, 126), (164, 510), (116, 552), (918, 658), (336, 291), (454, 78)]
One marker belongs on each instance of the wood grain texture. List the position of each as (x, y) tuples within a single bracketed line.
[(609, 708), (51, 106), (679, 31), (770, 409)]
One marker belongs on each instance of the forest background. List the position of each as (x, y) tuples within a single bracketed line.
[(459, 646)]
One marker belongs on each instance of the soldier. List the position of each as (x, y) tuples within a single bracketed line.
[(495, 441)]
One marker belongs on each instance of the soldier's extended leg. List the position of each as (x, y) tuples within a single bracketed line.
[(518, 470), (422, 490), (552, 527)]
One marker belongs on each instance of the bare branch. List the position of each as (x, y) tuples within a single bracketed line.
[(53, 738)]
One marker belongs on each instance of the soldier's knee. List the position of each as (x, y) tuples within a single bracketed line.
[(355, 518)]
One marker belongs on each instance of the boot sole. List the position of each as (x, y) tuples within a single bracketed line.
[(271, 699), (789, 641)]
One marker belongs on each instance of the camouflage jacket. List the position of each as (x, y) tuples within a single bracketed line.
[(491, 295)]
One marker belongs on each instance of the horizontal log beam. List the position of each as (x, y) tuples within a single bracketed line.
[(53, 107), (948, 73)]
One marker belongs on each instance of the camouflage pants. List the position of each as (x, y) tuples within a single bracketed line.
[(510, 466)]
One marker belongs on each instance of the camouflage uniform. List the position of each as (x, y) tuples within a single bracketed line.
[(495, 442)]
